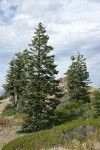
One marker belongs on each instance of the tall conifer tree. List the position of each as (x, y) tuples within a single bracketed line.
[(78, 80), (42, 91)]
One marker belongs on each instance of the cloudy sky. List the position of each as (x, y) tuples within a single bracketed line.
[(73, 25)]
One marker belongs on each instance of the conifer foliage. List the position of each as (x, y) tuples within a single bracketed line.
[(78, 80), (16, 79), (10, 82), (42, 89)]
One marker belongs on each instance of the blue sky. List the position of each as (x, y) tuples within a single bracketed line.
[(73, 25)]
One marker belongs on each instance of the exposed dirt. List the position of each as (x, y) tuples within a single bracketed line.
[(7, 134), (8, 126), (58, 148)]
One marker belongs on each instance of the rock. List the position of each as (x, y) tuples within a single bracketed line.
[(86, 131), (83, 132)]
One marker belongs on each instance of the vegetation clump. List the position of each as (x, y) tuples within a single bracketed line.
[(96, 103)]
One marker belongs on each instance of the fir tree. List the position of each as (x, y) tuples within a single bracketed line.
[(16, 79), (78, 80), (42, 90)]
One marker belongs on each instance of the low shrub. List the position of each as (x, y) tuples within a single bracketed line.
[(3, 96), (96, 104), (68, 111)]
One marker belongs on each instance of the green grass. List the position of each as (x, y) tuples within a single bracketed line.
[(48, 138)]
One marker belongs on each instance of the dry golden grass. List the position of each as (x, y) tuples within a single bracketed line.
[(3, 104)]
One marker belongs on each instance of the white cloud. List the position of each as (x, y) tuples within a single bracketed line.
[(96, 1), (71, 24), (93, 64), (63, 62)]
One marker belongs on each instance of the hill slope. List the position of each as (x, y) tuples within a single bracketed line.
[(55, 137), (3, 104), (75, 135)]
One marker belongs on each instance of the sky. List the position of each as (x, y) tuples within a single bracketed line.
[(72, 25)]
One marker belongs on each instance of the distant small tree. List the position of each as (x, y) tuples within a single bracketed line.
[(96, 103), (78, 80)]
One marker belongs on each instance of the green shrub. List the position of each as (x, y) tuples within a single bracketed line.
[(3, 96), (87, 111), (96, 104), (69, 110)]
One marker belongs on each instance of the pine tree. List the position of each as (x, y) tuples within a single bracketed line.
[(42, 90), (78, 80), (16, 79), (96, 103)]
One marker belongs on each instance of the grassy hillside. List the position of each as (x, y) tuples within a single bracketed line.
[(76, 128), (69, 135)]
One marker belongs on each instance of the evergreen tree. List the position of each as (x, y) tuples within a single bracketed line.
[(42, 90), (78, 80), (16, 79), (96, 103)]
